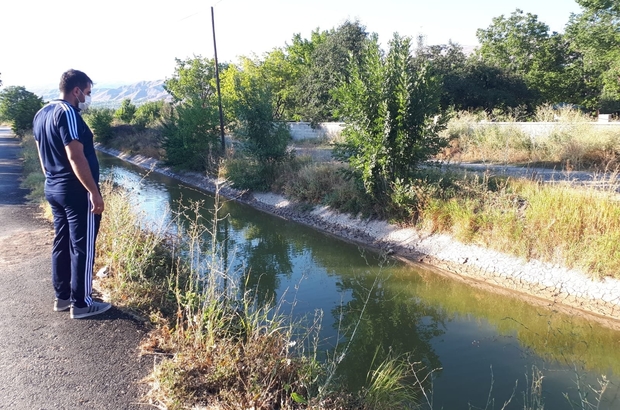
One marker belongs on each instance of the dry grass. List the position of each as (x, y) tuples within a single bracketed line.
[(133, 141), (570, 141), (139, 261), (574, 227)]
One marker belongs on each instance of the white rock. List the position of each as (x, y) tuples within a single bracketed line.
[(103, 272)]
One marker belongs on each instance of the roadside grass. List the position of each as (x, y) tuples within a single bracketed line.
[(138, 260), (571, 141), (32, 176)]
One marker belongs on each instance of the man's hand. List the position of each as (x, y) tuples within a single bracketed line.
[(97, 203)]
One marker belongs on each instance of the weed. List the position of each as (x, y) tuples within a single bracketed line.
[(388, 385)]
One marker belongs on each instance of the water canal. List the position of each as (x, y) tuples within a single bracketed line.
[(477, 340)]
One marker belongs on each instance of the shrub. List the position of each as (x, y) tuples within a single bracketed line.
[(328, 184), (19, 106), (147, 114), (100, 121), (126, 111), (190, 137), (392, 114), (263, 140)]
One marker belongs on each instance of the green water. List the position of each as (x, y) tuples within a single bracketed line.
[(474, 339)]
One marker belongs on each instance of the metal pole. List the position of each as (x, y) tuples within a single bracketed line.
[(217, 81)]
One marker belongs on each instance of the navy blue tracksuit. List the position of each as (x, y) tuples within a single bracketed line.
[(76, 227)]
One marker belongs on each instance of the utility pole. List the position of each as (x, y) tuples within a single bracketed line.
[(217, 81)]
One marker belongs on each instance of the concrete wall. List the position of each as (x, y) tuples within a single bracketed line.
[(538, 129), (303, 130)]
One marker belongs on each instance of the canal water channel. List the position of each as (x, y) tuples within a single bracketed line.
[(484, 346)]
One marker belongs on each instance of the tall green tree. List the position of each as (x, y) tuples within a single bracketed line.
[(328, 68), (148, 114), (193, 81), (278, 72), (126, 111), (251, 96), (611, 6), (594, 45), (523, 46), (100, 121), (470, 83), (19, 106), (191, 131), (191, 137), (393, 118)]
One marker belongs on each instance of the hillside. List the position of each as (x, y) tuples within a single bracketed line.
[(138, 93)]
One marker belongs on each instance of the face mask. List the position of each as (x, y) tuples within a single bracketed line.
[(84, 105)]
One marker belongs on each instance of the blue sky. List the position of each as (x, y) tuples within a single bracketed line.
[(124, 41)]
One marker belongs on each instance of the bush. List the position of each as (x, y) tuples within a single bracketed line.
[(190, 137), (263, 140), (246, 173), (393, 119), (19, 106), (147, 114), (100, 121), (328, 184), (126, 111)]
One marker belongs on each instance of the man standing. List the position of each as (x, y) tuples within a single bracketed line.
[(71, 169)]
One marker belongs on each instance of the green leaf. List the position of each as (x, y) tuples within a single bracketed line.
[(298, 398)]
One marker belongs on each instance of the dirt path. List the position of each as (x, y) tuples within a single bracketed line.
[(47, 360)]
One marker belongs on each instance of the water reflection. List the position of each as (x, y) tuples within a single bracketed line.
[(385, 319), (266, 255), (473, 335)]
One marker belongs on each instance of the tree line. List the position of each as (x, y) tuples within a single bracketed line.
[(394, 102)]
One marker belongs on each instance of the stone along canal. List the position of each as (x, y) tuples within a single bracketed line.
[(479, 341)]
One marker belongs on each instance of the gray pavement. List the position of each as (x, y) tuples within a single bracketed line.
[(600, 180), (47, 360)]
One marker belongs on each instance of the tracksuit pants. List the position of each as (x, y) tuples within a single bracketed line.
[(73, 251)]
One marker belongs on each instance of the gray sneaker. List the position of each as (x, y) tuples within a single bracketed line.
[(94, 309), (60, 305)]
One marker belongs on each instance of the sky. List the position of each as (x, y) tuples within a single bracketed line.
[(125, 41)]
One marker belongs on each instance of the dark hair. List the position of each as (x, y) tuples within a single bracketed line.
[(73, 78)]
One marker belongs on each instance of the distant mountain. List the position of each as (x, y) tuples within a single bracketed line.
[(138, 93)]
